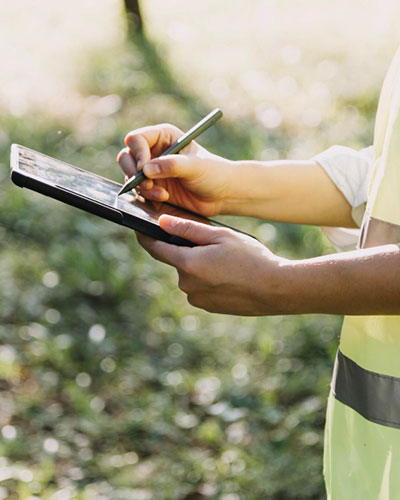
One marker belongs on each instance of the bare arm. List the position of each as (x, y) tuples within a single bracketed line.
[(286, 191), (360, 282), (231, 273)]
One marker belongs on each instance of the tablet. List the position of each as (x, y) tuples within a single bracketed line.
[(95, 194)]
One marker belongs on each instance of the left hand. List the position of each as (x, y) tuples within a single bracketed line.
[(228, 272)]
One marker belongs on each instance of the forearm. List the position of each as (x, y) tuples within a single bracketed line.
[(286, 191), (360, 282)]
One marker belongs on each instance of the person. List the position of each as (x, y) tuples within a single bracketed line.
[(228, 272)]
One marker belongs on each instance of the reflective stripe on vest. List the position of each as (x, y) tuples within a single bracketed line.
[(374, 396)]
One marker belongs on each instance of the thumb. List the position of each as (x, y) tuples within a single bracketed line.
[(201, 234), (170, 166)]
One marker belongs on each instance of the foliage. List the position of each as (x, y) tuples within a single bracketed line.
[(111, 385)]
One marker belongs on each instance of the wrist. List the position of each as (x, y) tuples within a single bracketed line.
[(279, 286), (291, 287), (246, 183), (298, 287)]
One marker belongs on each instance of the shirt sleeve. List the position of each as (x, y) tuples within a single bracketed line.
[(350, 170)]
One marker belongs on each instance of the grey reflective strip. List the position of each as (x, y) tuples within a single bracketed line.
[(377, 232), (375, 396)]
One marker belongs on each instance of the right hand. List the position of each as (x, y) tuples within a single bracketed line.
[(194, 179)]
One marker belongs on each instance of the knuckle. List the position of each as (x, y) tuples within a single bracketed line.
[(192, 300), (130, 136), (121, 154), (183, 283), (169, 133), (196, 300), (135, 140), (169, 127)]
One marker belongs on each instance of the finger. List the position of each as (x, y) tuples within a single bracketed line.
[(128, 166), (164, 252), (156, 193), (201, 234), (147, 184), (171, 166), (139, 149), (151, 141), (127, 162)]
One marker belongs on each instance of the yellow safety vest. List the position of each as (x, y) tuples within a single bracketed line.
[(362, 435)]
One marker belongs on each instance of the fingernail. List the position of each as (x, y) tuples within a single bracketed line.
[(152, 169)]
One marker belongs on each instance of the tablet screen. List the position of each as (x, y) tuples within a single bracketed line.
[(93, 186)]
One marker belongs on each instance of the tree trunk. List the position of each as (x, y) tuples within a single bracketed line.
[(134, 14)]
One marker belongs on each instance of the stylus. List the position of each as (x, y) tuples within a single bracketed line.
[(183, 141)]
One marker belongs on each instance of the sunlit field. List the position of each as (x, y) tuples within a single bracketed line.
[(111, 385)]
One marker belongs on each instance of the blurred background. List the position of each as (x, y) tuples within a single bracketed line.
[(111, 385)]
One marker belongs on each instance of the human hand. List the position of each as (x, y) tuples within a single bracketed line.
[(228, 272), (194, 179)]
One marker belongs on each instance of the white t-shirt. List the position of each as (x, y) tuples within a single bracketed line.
[(350, 170)]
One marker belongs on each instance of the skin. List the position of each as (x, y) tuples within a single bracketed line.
[(231, 273)]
